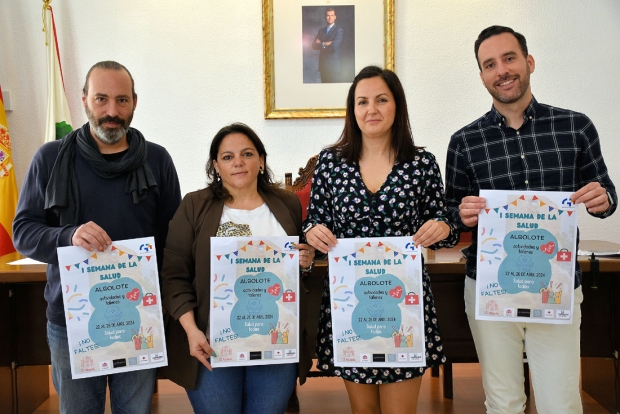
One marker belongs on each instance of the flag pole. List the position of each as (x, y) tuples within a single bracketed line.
[(46, 6)]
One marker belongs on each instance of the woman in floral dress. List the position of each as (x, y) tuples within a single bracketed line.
[(374, 182)]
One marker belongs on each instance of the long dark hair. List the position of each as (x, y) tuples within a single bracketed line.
[(349, 145), (265, 180)]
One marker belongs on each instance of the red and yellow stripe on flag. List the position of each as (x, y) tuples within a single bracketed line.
[(8, 186), (58, 116)]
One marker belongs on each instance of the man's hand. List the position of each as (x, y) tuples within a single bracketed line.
[(90, 236), (469, 209), (317, 41), (327, 43), (593, 196)]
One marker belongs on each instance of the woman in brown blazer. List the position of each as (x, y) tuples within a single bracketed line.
[(240, 200)]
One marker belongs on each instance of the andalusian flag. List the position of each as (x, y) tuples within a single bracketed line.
[(58, 116), (8, 186)]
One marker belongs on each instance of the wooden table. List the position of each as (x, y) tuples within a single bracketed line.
[(24, 354)]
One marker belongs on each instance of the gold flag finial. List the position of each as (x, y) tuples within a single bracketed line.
[(46, 6)]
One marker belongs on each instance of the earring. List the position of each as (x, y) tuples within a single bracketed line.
[(217, 176), (262, 170)]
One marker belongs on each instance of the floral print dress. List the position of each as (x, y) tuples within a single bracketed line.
[(411, 195)]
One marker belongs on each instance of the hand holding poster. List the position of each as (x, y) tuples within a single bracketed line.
[(526, 257), (255, 315), (377, 317), (112, 308)]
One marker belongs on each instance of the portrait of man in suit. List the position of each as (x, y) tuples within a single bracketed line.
[(334, 41), (328, 41)]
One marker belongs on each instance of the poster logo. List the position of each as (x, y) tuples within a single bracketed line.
[(348, 354), (492, 308), (562, 314), (157, 357), (225, 354), (378, 357), (118, 363), (415, 357)]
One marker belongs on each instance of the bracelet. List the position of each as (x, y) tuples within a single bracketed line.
[(307, 269)]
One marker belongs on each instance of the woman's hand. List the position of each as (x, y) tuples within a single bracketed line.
[(431, 232), (306, 255), (199, 347), (321, 238)]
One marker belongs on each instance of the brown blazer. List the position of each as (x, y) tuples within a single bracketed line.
[(186, 275)]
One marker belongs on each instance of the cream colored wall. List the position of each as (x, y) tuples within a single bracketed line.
[(198, 66)]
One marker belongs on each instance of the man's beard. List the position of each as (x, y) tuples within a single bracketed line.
[(524, 83), (109, 136)]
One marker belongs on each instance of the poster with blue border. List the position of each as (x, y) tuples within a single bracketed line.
[(376, 302), (254, 318), (527, 247), (113, 308)]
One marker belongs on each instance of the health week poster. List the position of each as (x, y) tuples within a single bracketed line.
[(527, 243), (113, 308), (254, 318), (376, 303)]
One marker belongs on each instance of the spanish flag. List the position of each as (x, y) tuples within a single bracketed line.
[(58, 116), (8, 186)]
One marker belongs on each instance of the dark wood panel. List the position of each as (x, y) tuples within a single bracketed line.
[(6, 327), (597, 377), (599, 311), (33, 388), (31, 323)]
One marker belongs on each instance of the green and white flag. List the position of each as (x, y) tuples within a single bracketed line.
[(58, 116)]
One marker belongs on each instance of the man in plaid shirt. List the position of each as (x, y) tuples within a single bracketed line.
[(523, 145)]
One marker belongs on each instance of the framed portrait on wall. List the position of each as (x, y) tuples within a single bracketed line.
[(314, 48)]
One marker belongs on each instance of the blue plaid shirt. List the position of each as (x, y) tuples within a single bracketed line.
[(554, 150)]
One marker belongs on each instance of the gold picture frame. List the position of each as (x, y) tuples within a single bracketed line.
[(290, 90)]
